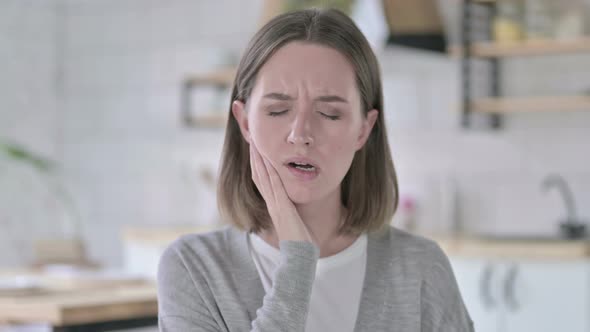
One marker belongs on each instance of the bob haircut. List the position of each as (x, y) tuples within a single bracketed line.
[(369, 190)]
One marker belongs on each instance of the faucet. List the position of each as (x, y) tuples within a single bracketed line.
[(572, 227)]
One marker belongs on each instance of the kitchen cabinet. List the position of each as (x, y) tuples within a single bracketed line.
[(474, 279), (510, 295)]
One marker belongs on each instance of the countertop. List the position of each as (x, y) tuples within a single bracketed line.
[(69, 301), (463, 245)]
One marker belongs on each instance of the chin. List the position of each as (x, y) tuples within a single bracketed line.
[(302, 201), (304, 195), (301, 197)]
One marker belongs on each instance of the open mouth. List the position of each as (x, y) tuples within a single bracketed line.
[(303, 167)]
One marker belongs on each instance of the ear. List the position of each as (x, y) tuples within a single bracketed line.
[(238, 110), (368, 124)]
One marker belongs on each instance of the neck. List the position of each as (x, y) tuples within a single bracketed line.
[(323, 219)]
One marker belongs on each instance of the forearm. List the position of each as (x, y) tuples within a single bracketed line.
[(285, 306)]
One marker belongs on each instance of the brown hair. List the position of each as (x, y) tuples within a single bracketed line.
[(369, 189)]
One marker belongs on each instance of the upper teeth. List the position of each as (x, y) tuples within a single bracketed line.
[(305, 167)]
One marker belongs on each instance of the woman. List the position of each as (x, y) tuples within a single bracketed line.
[(308, 185)]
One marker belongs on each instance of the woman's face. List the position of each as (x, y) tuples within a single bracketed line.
[(305, 108)]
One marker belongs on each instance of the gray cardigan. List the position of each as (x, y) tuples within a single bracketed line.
[(208, 282)]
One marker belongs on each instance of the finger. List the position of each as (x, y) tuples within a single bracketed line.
[(262, 172), (281, 191), (275, 181)]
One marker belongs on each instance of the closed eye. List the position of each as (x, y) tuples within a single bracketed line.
[(331, 117), (277, 113)]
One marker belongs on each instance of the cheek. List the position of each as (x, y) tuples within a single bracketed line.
[(265, 135), (341, 140), (341, 152), (258, 128)]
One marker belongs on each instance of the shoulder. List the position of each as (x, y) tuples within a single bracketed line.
[(412, 249), (199, 242), (440, 299), (192, 252), (416, 258)]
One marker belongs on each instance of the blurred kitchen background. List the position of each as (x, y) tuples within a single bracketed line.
[(112, 117)]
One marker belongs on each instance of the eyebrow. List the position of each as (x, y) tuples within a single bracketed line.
[(278, 96), (332, 99), (325, 99)]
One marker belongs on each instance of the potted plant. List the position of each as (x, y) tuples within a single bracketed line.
[(67, 247)]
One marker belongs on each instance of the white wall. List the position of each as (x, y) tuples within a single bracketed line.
[(498, 173), (127, 152), (129, 161), (129, 158), (29, 116)]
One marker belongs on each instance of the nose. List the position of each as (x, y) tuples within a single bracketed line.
[(301, 131)]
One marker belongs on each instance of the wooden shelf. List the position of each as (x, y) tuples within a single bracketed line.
[(221, 77), (531, 104), (525, 48), (213, 120), (58, 305)]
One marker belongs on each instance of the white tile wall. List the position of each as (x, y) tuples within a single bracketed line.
[(128, 160), (125, 149), (28, 116), (498, 172)]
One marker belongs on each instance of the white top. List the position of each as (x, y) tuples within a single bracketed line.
[(337, 287)]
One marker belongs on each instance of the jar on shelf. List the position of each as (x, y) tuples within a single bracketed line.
[(540, 17), (570, 22)]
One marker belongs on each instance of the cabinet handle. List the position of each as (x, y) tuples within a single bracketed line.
[(509, 297), (484, 287)]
